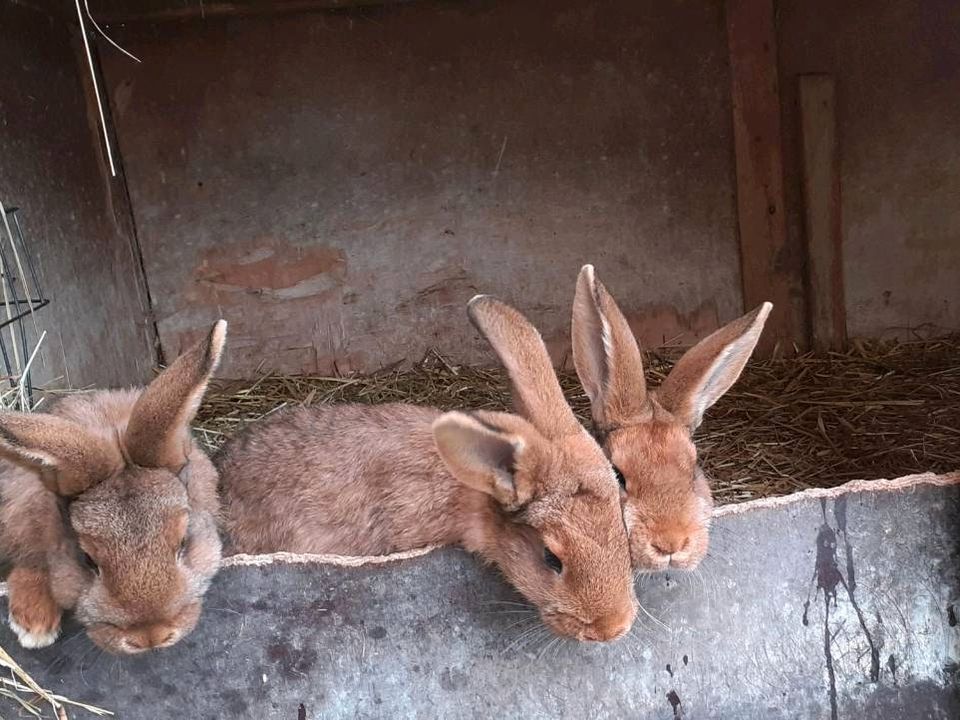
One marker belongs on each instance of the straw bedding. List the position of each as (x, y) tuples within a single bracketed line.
[(880, 410)]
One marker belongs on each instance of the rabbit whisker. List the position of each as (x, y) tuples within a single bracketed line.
[(517, 622), (523, 634), (547, 645), (508, 602), (225, 610), (655, 619), (83, 678), (539, 640)]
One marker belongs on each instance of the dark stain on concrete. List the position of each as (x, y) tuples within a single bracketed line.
[(850, 585), (828, 577), (234, 703), (294, 662), (452, 679), (674, 699)]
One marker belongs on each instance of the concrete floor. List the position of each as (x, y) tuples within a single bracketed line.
[(822, 605)]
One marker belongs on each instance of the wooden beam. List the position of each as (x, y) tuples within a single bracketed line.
[(130, 11), (821, 211), (760, 199)]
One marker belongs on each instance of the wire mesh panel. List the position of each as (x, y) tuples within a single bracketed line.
[(21, 297)]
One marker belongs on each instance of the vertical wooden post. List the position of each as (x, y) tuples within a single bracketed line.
[(821, 211), (760, 199)]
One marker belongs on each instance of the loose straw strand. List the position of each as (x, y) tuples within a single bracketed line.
[(96, 91)]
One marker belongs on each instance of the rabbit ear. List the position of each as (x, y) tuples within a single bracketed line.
[(605, 354), (479, 456), (70, 460), (158, 434), (711, 367), (535, 388)]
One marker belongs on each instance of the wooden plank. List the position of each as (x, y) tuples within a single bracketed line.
[(760, 198), (123, 11), (821, 211)]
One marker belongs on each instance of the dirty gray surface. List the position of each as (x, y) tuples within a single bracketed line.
[(843, 608)]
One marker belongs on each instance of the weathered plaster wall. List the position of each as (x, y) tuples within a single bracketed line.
[(338, 185), (51, 168)]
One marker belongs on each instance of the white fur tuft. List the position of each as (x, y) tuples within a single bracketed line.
[(629, 518), (30, 640)]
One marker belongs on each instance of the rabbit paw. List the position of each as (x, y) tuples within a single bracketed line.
[(34, 614)]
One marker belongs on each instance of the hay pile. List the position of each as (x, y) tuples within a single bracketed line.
[(883, 409)]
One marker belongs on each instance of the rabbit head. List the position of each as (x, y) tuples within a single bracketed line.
[(667, 503), (556, 530), (136, 541)]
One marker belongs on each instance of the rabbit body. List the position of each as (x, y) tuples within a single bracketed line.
[(530, 493), (109, 508), (342, 479)]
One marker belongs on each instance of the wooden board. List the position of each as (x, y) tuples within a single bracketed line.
[(123, 11), (821, 211), (760, 197)]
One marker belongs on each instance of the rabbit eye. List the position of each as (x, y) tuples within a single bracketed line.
[(182, 550), (90, 563), (552, 561), (620, 477)]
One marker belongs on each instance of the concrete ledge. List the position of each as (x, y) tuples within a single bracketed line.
[(839, 603)]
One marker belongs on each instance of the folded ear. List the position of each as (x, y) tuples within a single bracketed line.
[(158, 434), (605, 354), (480, 457), (535, 388), (711, 367), (69, 459)]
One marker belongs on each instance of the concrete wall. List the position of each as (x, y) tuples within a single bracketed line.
[(823, 617), (897, 68), (338, 185), (51, 167)]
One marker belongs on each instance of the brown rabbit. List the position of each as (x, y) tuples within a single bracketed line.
[(110, 509), (647, 435), (533, 495)]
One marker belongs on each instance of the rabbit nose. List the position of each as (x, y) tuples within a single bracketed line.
[(162, 636), (670, 544), (135, 642), (152, 637), (610, 627)]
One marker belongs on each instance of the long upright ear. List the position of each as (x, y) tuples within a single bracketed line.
[(535, 388), (711, 367), (605, 354), (478, 456), (158, 434), (69, 459)]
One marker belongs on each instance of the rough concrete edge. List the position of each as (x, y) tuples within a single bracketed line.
[(901, 483), (908, 481), (288, 558)]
